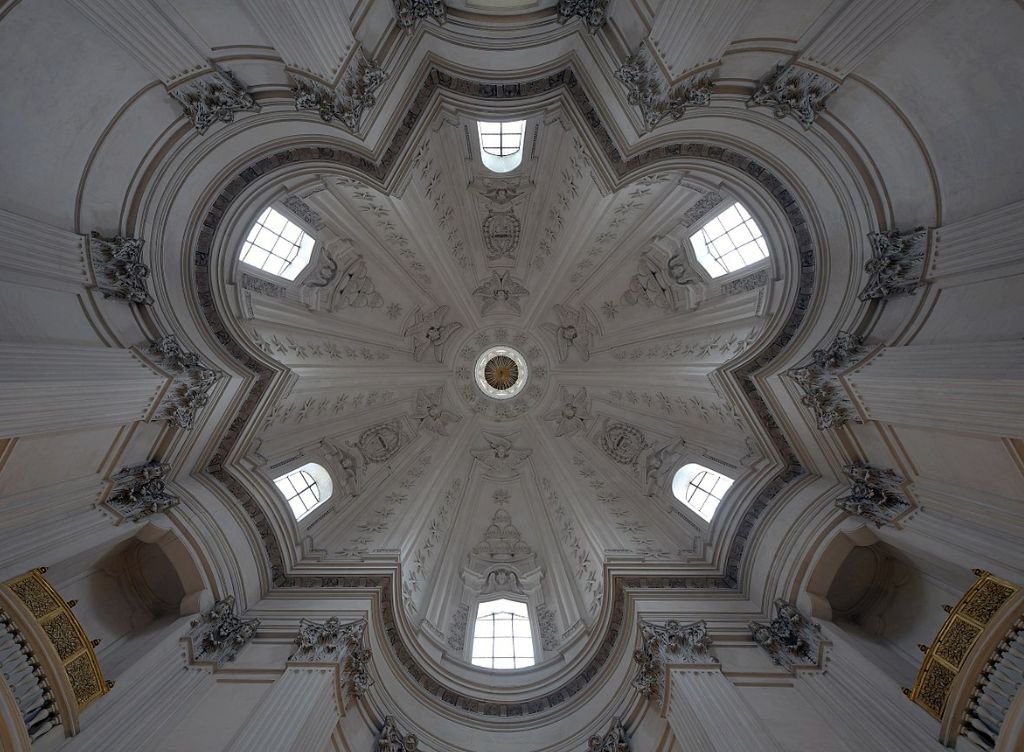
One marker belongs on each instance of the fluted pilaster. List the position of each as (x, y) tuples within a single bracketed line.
[(707, 714), (990, 240)]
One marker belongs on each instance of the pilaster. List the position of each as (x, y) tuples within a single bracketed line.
[(989, 241), (695, 34), (35, 254), (312, 36)]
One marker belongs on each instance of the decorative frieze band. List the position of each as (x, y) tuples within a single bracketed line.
[(670, 643), (790, 639), (819, 381), (220, 633), (646, 90), (140, 491), (874, 494)]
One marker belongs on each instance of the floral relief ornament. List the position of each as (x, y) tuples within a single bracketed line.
[(573, 413)]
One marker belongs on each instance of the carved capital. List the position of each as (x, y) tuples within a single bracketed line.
[(874, 494), (139, 491), (336, 643), (117, 264), (348, 103), (819, 381), (409, 12), (790, 639), (214, 96), (193, 380), (645, 90), (391, 739), (896, 264), (593, 13), (220, 633), (791, 91), (670, 643), (616, 740)]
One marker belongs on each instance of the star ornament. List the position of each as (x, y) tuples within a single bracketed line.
[(571, 416)]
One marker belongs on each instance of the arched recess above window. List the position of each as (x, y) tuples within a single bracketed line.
[(305, 488), (501, 145), (729, 241), (700, 488), (277, 245), (502, 635)]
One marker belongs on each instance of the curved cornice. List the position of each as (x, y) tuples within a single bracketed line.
[(663, 156)]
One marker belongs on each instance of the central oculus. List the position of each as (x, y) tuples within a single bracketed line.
[(500, 372)]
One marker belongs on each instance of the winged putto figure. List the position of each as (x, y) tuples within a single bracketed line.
[(575, 329), (500, 456), (428, 330)]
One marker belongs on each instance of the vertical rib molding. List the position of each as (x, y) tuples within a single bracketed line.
[(297, 714), (311, 35), (38, 255), (992, 239), (707, 714), (965, 387), (48, 388), (691, 34), (865, 705)]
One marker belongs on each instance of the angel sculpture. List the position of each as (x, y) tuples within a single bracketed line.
[(574, 329), (500, 457), (349, 465), (659, 464), (647, 286), (357, 290), (430, 414), (428, 330), (500, 288)]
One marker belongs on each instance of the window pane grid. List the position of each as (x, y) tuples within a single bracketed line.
[(300, 490), (700, 488), (729, 242), (273, 243), (501, 139), (502, 639)]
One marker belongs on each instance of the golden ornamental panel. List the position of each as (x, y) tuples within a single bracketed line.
[(956, 640), (35, 597), (988, 597), (935, 687)]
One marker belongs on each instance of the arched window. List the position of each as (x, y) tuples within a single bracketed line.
[(502, 637), (501, 145), (700, 488), (305, 488), (276, 245), (729, 242)]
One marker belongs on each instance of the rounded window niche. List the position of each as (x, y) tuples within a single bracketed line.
[(305, 488), (700, 488)]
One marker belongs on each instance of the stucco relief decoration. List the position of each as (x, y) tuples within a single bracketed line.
[(220, 633), (140, 490), (623, 442), (339, 643), (593, 13), (380, 443), (348, 467), (457, 627), (745, 284), (501, 288), (575, 330), (548, 630), (502, 580), (193, 380), (305, 212), (791, 639), (645, 90), (615, 740), (117, 264), (409, 12), (430, 414), (660, 464), (663, 645), (819, 381), (874, 494), (357, 93), (393, 740), (652, 283), (214, 96), (501, 231), (793, 92), (501, 457), (471, 375), (896, 265), (429, 332), (572, 414), (502, 540), (708, 201), (357, 289)]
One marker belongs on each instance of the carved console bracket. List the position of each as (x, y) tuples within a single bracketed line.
[(645, 90), (409, 12), (874, 494), (333, 642), (214, 96), (219, 634), (193, 380), (897, 263), (593, 13), (792, 91), (819, 381), (662, 645), (393, 740), (139, 491), (117, 265), (347, 104), (616, 740), (791, 639)]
